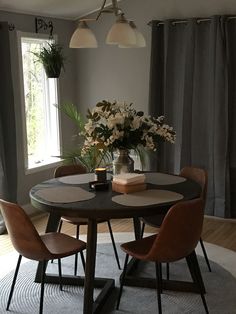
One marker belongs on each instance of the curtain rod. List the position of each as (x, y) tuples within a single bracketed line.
[(199, 20)]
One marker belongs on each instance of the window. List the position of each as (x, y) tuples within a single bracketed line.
[(40, 115)]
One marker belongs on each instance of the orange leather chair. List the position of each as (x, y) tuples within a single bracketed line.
[(195, 174), (178, 236), (66, 170), (30, 244)]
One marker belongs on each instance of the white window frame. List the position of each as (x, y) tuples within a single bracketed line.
[(55, 161)]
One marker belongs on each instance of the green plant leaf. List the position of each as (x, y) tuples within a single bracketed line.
[(71, 111)]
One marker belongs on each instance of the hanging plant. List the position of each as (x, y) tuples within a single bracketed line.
[(52, 59)]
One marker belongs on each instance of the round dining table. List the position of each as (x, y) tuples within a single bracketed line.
[(48, 196)]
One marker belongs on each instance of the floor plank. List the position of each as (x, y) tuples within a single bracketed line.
[(221, 232)]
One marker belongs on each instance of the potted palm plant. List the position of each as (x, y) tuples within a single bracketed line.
[(93, 157), (52, 59)]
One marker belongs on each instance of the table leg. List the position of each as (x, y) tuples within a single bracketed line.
[(53, 222), (90, 266), (106, 285), (137, 228)]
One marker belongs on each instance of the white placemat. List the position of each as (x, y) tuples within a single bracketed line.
[(77, 178), (64, 194), (163, 178), (147, 197), (80, 178)]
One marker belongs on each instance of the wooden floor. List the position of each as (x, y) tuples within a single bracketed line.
[(217, 231)]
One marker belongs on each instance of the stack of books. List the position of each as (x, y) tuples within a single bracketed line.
[(128, 183)]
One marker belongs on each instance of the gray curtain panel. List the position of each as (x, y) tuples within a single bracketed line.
[(192, 73), (8, 161)]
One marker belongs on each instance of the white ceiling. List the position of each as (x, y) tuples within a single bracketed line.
[(68, 9)]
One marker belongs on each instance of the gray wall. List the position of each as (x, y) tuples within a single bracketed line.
[(123, 74), (67, 83)]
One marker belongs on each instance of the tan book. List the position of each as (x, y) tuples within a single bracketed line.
[(128, 188), (129, 178)]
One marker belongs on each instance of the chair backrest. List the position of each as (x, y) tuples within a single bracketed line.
[(23, 234), (179, 233), (198, 175), (66, 170)]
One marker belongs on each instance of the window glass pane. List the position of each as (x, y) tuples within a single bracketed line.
[(41, 115)]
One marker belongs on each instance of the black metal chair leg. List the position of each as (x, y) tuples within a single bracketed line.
[(159, 286), (42, 286), (14, 281), (82, 260), (196, 276), (59, 227), (122, 281), (60, 273), (167, 271), (113, 244), (205, 254), (142, 230), (76, 255), (160, 275)]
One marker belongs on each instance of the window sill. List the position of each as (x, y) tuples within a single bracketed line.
[(43, 166)]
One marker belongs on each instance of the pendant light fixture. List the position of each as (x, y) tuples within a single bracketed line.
[(123, 33), (140, 41)]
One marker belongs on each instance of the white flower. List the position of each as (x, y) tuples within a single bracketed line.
[(89, 127), (118, 118), (115, 125), (135, 124), (116, 134)]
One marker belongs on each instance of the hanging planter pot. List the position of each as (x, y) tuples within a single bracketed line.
[(52, 72), (52, 59)]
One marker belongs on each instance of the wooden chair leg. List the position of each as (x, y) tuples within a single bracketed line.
[(122, 281), (60, 273), (14, 281), (113, 244), (196, 276), (42, 287), (205, 254), (159, 285)]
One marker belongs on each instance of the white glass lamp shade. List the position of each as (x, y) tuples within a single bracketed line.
[(121, 33), (83, 37), (140, 40)]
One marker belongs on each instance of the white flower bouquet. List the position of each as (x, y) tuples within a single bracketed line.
[(112, 126)]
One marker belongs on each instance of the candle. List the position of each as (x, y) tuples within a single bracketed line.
[(101, 174)]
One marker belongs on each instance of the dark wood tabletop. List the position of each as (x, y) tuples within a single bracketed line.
[(102, 206)]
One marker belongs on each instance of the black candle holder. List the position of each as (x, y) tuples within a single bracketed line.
[(101, 174)]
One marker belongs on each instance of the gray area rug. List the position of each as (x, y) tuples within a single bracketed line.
[(220, 287)]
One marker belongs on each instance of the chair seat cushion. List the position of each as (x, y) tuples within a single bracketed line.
[(61, 245), (139, 248)]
